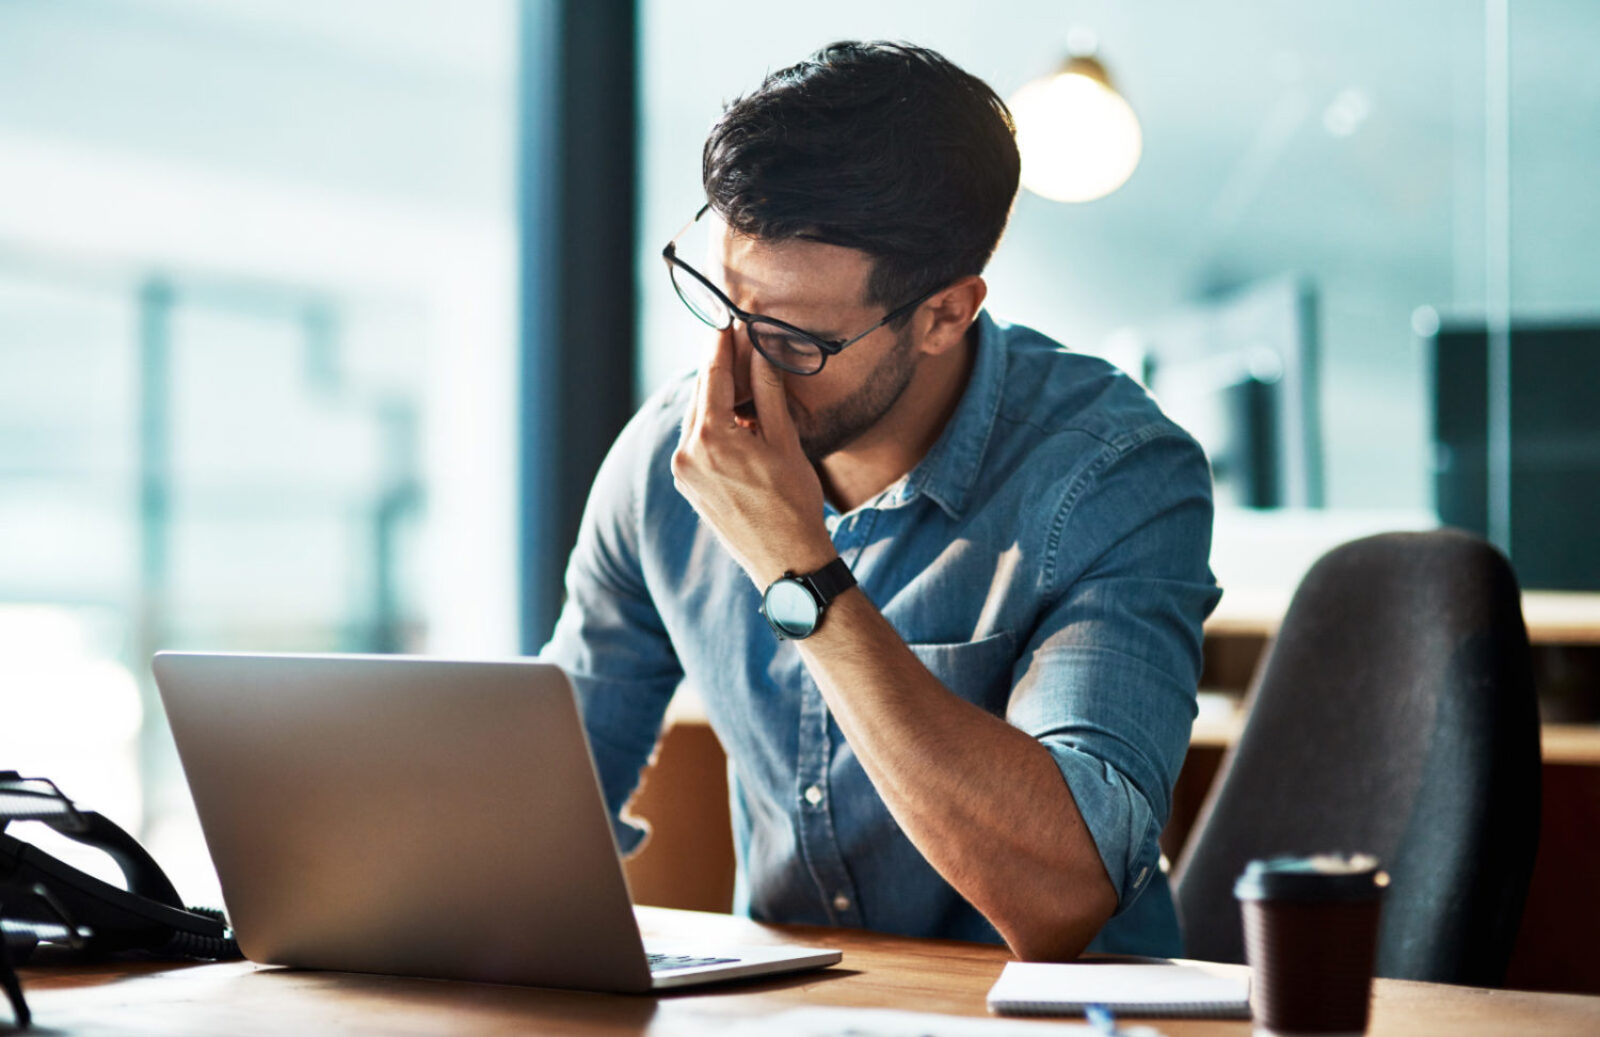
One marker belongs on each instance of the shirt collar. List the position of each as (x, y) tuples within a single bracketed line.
[(950, 469)]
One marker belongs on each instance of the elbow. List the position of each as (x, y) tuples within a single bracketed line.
[(1061, 930)]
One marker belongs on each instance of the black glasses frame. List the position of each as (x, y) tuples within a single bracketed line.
[(826, 347)]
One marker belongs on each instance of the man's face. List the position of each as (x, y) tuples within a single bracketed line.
[(822, 289)]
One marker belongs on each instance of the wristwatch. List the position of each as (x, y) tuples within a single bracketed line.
[(793, 605)]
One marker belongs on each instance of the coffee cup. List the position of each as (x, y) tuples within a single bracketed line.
[(1311, 938)]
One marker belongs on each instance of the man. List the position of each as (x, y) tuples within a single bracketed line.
[(939, 582)]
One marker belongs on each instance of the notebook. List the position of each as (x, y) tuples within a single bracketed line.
[(1034, 988)]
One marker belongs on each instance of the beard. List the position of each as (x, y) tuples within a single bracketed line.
[(828, 431)]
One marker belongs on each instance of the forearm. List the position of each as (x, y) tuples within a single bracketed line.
[(983, 801)]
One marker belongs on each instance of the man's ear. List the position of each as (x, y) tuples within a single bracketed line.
[(948, 314)]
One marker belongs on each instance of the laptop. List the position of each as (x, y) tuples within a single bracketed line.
[(421, 817)]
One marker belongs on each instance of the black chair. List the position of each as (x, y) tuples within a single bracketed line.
[(1395, 715)]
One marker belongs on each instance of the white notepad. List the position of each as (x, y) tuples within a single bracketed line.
[(1033, 988)]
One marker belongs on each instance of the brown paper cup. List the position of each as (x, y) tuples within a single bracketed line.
[(1311, 938)]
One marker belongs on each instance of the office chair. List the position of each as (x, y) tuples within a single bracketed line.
[(1395, 715)]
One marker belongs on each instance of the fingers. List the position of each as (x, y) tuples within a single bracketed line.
[(770, 397), (693, 414), (717, 397)]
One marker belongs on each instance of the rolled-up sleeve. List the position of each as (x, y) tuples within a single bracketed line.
[(610, 638), (1107, 680)]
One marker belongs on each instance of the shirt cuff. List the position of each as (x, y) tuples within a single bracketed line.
[(1118, 817)]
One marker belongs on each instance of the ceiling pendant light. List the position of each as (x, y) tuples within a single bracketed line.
[(1079, 139)]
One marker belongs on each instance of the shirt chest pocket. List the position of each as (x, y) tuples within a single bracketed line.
[(978, 671)]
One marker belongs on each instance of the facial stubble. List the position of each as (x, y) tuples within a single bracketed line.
[(828, 431)]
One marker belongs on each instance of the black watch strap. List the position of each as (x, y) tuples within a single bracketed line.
[(830, 581)]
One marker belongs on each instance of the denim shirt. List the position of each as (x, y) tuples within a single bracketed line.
[(1047, 560)]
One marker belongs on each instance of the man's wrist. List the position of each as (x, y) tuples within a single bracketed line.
[(798, 559), (794, 604)]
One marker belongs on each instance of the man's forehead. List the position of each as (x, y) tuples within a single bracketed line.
[(763, 274)]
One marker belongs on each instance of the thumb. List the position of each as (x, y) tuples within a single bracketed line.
[(770, 398)]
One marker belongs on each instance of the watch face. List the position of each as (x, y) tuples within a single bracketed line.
[(791, 609)]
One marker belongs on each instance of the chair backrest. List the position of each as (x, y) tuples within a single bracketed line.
[(1394, 714)]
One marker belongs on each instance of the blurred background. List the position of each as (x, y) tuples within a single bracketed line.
[(315, 318)]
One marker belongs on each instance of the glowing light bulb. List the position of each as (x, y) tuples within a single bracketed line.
[(1079, 139)]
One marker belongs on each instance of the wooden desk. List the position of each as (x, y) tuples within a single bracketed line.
[(877, 971)]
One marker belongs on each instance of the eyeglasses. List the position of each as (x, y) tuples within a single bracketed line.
[(788, 347)]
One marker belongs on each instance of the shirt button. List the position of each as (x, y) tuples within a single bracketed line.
[(813, 795), (841, 902)]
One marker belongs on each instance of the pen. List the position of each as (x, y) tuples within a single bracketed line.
[(1101, 1019)]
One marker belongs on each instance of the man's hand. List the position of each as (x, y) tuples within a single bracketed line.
[(749, 479)]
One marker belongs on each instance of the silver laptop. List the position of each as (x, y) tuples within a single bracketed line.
[(418, 817)]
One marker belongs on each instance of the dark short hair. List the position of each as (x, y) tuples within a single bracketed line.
[(882, 147)]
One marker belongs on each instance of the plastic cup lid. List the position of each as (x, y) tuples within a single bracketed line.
[(1322, 877)]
